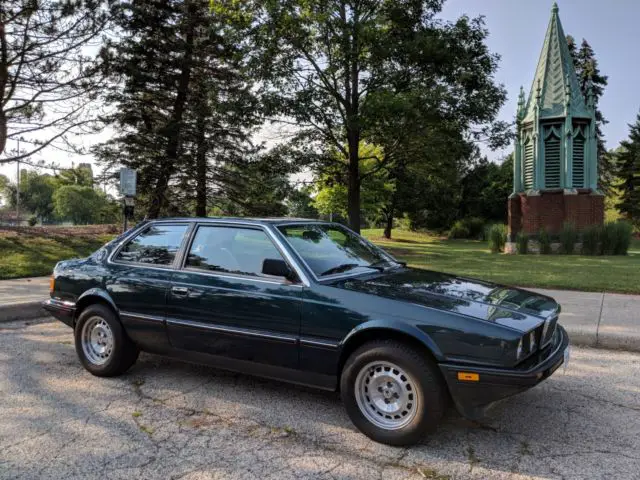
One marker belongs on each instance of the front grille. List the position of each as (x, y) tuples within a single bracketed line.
[(550, 331)]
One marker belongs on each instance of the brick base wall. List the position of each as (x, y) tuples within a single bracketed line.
[(551, 210)]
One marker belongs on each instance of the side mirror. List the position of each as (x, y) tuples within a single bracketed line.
[(277, 268)]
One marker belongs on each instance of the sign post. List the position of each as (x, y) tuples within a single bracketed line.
[(128, 180)]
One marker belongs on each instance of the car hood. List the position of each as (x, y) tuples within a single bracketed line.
[(512, 307)]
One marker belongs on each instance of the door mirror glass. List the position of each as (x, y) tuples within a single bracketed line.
[(277, 268)]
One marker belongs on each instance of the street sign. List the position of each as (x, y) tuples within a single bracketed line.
[(128, 179)]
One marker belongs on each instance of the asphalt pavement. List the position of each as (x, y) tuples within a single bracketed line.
[(168, 419)]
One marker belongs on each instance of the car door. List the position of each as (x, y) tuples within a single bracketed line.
[(220, 303), (139, 278)]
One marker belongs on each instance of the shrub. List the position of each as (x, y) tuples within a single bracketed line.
[(497, 237), (471, 227), (459, 230), (624, 231), (545, 242), (568, 238), (475, 225), (608, 239), (522, 243), (591, 240), (33, 221), (616, 238)]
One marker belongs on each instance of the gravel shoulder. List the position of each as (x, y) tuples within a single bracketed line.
[(167, 419)]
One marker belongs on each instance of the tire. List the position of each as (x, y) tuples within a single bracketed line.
[(102, 345), (392, 393)]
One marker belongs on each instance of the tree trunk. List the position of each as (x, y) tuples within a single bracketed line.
[(389, 226), (167, 166), (201, 167), (353, 183), (4, 80)]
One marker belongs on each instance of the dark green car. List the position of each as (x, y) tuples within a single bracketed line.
[(311, 303)]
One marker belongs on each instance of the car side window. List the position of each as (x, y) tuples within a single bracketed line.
[(231, 250), (156, 245)]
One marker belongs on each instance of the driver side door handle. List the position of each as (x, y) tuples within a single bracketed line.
[(180, 291)]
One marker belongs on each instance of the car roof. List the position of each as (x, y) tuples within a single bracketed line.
[(245, 220)]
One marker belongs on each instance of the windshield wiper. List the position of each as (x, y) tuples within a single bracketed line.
[(379, 264), (349, 266), (343, 267)]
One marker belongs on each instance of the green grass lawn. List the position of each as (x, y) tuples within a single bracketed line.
[(28, 255), (473, 259)]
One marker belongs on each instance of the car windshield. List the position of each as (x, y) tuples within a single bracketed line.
[(330, 249)]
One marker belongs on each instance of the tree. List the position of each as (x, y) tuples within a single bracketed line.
[(5, 192), (300, 204), (82, 205), (627, 160), (588, 73), (48, 82), (36, 192), (484, 189), (81, 175), (323, 61), (185, 106)]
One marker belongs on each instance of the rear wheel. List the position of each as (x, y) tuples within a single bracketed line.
[(392, 393), (102, 345)]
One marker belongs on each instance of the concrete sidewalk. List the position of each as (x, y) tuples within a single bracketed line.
[(20, 298), (603, 320)]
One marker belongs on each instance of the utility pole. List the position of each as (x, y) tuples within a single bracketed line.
[(18, 186)]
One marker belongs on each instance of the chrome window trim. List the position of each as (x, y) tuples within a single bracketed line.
[(237, 276), (253, 226), (136, 231), (336, 276), (233, 330)]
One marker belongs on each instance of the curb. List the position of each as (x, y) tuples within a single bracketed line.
[(21, 311)]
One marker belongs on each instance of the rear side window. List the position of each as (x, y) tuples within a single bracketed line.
[(156, 245)]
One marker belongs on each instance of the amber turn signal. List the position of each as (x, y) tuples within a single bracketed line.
[(52, 283), (468, 377)]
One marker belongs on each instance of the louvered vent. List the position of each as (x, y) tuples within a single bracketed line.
[(578, 162), (528, 165), (552, 162)]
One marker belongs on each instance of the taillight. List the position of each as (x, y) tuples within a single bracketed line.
[(52, 284)]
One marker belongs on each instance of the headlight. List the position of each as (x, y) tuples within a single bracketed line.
[(519, 350), (532, 341)]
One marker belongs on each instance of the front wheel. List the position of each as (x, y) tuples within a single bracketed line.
[(102, 345), (392, 393)]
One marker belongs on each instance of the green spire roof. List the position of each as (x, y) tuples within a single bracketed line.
[(555, 81)]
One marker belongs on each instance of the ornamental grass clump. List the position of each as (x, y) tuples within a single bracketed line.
[(591, 240), (624, 231), (608, 239), (497, 237), (545, 242), (522, 243), (568, 238)]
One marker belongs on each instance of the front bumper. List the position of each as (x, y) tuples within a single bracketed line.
[(472, 398), (61, 309)]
